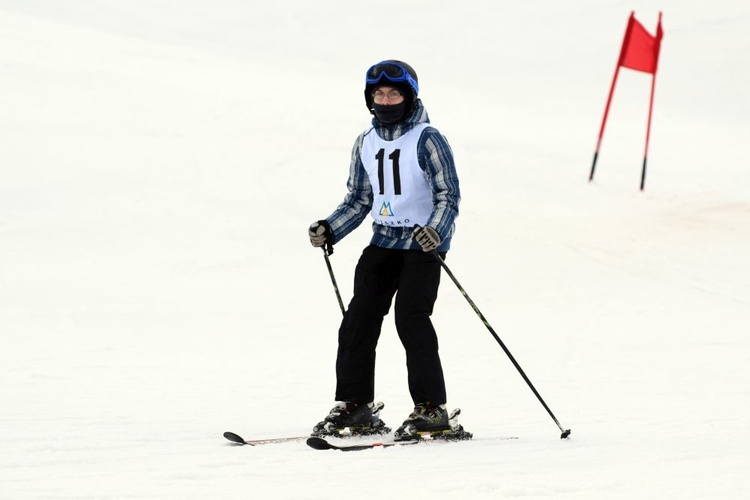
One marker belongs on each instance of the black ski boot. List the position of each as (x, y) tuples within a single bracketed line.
[(430, 421), (352, 419)]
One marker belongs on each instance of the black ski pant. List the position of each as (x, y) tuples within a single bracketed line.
[(413, 277)]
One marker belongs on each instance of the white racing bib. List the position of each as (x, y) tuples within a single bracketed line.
[(401, 194)]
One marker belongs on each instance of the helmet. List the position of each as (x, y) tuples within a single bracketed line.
[(396, 74)]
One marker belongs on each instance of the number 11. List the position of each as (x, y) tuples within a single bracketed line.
[(396, 173)]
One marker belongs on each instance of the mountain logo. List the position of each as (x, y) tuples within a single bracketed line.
[(385, 210)]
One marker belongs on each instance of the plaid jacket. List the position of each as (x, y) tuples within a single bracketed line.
[(435, 158)]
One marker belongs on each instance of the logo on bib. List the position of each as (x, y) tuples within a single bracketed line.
[(385, 210)]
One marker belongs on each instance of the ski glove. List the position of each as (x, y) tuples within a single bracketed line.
[(427, 238), (321, 235)]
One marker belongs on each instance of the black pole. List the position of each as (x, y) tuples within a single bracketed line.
[(593, 166), (565, 432), (333, 279), (643, 174)]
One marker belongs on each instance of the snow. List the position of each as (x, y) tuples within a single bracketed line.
[(160, 161)]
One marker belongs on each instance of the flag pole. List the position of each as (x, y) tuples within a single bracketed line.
[(648, 133), (604, 122), (651, 104), (611, 92)]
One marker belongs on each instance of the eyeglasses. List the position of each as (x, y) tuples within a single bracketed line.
[(391, 71), (393, 95)]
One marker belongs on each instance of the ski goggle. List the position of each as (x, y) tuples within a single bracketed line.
[(391, 71)]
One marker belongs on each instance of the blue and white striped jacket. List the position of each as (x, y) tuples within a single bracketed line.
[(435, 158)]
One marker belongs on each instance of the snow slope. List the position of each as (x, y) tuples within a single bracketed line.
[(161, 160)]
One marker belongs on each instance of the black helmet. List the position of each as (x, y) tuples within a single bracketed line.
[(396, 74)]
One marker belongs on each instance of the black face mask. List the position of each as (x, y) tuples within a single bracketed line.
[(390, 114)]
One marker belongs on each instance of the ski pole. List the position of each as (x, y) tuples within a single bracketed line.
[(333, 278), (565, 432)]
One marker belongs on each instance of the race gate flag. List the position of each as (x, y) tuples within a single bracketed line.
[(640, 51)]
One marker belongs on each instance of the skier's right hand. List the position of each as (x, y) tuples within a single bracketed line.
[(320, 234)]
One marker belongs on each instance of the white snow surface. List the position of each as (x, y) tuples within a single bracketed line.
[(160, 161)]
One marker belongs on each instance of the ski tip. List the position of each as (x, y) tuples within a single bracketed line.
[(318, 443), (235, 438)]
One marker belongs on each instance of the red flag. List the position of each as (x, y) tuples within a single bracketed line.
[(640, 49)]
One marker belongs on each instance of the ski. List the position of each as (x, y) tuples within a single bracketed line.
[(318, 443), (237, 439)]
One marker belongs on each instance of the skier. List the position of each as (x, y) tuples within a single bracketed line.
[(402, 173)]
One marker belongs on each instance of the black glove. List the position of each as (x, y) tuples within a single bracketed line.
[(321, 235), (427, 238)]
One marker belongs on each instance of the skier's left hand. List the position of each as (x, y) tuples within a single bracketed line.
[(427, 238)]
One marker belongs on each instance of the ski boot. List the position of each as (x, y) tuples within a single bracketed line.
[(431, 422), (352, 419)]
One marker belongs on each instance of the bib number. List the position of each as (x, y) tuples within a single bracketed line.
[(394, 157)]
